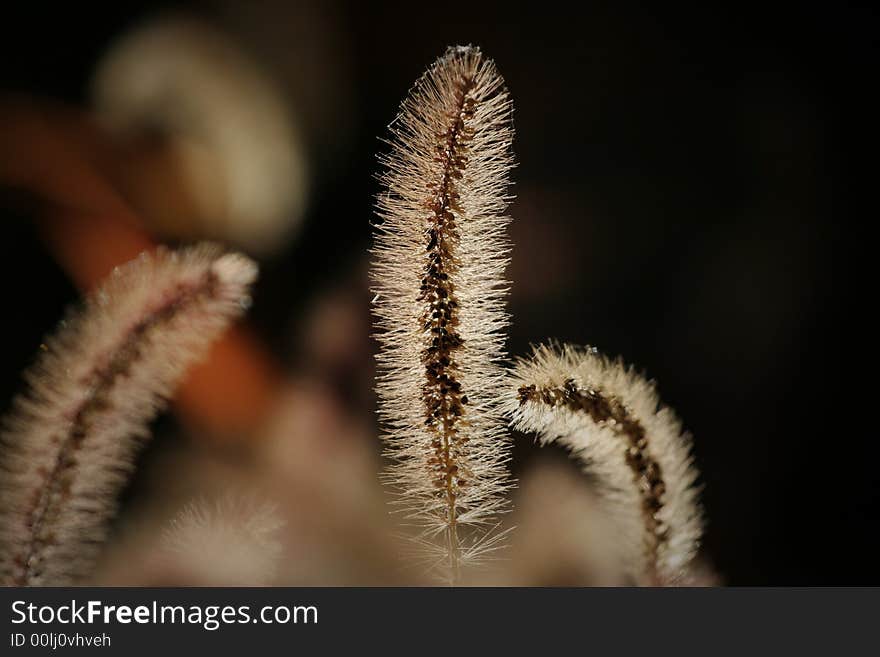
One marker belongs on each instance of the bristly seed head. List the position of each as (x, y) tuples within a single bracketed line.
[(612, 421), (440, 255), (69, 443)]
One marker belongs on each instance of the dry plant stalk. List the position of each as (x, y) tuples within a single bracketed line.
[(68, 445), (440, 255), (611, 419)]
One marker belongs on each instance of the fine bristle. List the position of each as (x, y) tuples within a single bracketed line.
[(611, 419), (68, 445), (438, 274), (232, 541)]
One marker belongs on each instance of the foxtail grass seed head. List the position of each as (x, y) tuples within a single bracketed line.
[(438, 275), (612, 420), (69, 442)]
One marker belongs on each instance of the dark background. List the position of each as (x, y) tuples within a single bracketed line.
[(683, 199)]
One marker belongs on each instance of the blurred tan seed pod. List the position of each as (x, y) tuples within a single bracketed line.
[(223, 124)]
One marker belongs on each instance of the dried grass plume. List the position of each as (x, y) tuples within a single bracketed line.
[(439, 259), (611, 419), (68, 445)]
